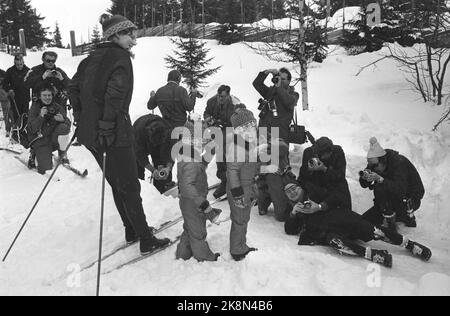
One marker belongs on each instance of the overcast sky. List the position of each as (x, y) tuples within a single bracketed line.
[(77, 15)]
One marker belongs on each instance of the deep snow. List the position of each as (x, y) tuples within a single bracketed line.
[(63, 232)]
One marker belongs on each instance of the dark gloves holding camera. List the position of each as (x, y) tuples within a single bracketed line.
[(106, 134)]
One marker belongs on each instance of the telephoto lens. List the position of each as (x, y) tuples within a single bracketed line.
[(162, 173)]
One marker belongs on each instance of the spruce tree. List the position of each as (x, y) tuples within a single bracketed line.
[(191, 59), (57, 38), (96, 36), (19, 14)]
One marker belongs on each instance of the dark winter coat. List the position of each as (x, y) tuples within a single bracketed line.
[(333, 182), (15, 80), (33, 80), (173, 102), (285, 100), (219, 112), (401, 178), (143, 145), (2, 77), (101, 90), (40, 125)]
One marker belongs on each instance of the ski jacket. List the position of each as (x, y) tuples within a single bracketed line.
[(101, 90), (241, 173), (40, 129), (333, 180), (401, 178), (173, 101), (285, 100), (220, 113), (15, 80), (192, 183), (33, 80)]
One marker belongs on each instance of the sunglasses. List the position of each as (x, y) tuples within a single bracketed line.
[(52, 61), (246, 127)]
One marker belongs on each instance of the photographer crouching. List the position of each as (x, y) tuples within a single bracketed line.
[(48, 130), (277, 107)]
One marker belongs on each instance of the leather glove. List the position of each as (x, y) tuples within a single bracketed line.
[(106, 134)]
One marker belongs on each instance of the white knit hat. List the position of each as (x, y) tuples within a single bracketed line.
[(375, 151)]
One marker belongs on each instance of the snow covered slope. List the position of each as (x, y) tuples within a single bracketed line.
[(63, 232)]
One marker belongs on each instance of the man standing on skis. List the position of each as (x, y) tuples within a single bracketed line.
[(101, 93)]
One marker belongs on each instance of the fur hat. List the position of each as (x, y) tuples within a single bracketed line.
[(241, 116), (375, 151), (115, 24)]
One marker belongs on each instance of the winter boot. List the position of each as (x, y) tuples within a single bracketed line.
[(217, 255), (32, 160), (380, 257), (389, 222), (409, 220), (262, 211), (418, 250), (63, 157), (243, 256), (213, 215), (221, 190), (151, 243), (131, 237)]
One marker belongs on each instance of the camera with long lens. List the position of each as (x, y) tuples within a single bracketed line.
[(365, 173), (162, 174)]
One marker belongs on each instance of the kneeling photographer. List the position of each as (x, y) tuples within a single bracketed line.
[(279, 101), (48, 130)]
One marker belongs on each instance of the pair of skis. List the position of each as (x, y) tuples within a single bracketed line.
[(156, 251)]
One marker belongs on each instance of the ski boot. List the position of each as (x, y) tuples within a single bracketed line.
[(151, 243), (419, 250), (131, 237), (389, 222), (243, 256), (221, 191), (381, 257)]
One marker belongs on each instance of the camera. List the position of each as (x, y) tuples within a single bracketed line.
[(314, 161), (276, 79), (51, 112), (365, 174), (307, 205), (162, 174)]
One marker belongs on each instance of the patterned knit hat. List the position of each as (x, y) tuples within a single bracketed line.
[(115, 24), (241, 116), (375, 151)]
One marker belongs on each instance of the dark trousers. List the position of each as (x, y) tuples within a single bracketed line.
[(271, 190), (386, 204), (122, 176)]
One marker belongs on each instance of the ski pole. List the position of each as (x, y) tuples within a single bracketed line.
[(102, 212), (37, 202)]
